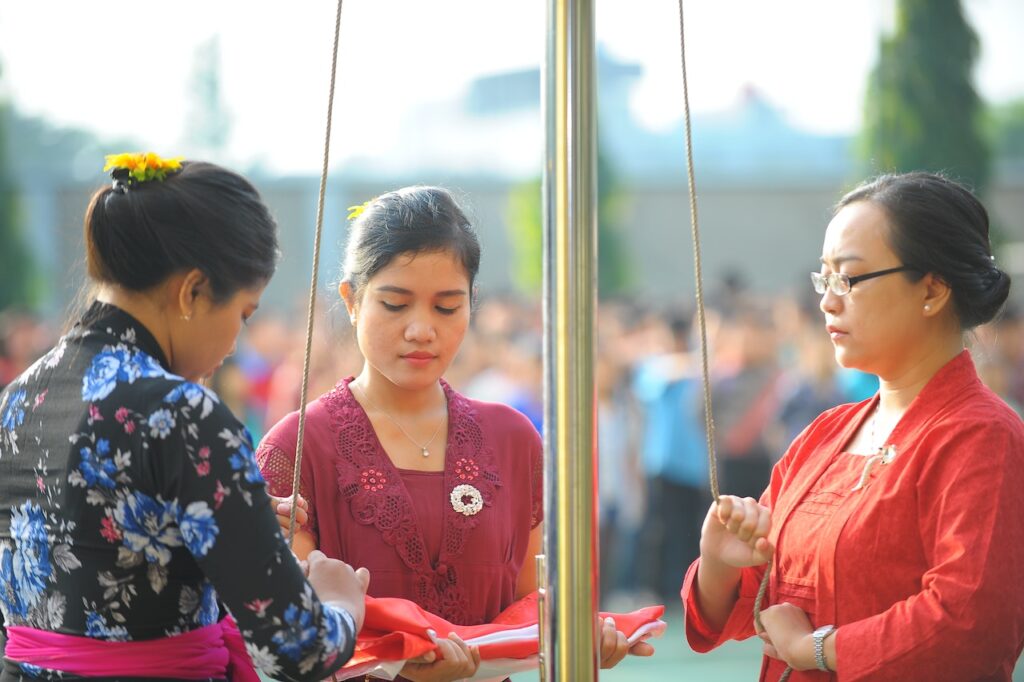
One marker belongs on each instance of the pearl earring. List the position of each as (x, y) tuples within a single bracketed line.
[(187, 318), (927, 308)]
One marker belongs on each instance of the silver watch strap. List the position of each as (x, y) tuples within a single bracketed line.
[(819, 647)]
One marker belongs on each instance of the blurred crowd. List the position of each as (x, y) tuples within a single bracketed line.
[(772, 371)]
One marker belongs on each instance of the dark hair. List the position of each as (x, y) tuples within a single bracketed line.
[(938, 226), (203, 216), (410, 220)]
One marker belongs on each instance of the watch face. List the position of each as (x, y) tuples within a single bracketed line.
[(824, 630)]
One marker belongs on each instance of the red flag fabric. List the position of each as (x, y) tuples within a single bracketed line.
[(396, 630)]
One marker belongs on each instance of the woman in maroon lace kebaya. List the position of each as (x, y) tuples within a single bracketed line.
[(439, 496)]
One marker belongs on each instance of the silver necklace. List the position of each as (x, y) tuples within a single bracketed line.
[(423, 448)]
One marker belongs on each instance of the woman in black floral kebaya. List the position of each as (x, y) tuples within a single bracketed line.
[(133, 516)]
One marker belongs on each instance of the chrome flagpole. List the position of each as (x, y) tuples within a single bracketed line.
[(570, 575)]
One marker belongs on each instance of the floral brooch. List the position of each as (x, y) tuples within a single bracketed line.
[(467, 500)]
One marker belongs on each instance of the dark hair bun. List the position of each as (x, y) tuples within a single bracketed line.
[(203, 216), (938, 226)]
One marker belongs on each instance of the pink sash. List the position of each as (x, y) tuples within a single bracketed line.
[(216, 651)]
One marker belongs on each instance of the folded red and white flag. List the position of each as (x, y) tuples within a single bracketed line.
[(396, 630)]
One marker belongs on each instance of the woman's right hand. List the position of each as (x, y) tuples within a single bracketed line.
[(735, 532), (455, 660), (334, 581)]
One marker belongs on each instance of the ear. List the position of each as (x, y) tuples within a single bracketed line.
[(187, 291), (938, 295), (348, 295)]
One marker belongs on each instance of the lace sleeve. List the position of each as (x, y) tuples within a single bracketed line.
[(277, 466)]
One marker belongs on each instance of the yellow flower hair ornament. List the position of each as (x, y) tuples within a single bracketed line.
[(356, 211), (133, 167)]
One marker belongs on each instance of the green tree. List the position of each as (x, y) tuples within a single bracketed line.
[(17, 273), (526, 234), (922, 111)]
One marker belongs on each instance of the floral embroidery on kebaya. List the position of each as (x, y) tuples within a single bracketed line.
[(386, 505), (466, 469), (373, 480)]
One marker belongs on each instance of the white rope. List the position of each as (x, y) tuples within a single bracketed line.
[(303, 393), (709, 422)]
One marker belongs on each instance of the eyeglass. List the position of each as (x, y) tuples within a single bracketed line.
[(839, 283)]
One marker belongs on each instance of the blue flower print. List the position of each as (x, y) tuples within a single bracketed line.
[(114, 364), (29, 669), (31, 561), (160, 424), (208, 609), (28, 525), (9, 592), (148, 526), (101, 377), (96, 467), (198, 528), (148, 367), (245, 460), (96, 626), (195, 395), (14, 412), (334, 630), (297, 635)]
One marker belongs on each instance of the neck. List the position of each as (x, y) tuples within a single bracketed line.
[(898, 390), (142, 308), (396, 400)]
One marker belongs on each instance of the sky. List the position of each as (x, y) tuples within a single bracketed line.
[(123, 69)]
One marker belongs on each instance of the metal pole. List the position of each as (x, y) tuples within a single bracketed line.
[(570, 293)]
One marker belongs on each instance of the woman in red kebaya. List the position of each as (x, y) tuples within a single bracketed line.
[(439, 496), (896, 524)]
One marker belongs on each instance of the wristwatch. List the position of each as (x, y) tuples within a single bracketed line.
[(820, 635)]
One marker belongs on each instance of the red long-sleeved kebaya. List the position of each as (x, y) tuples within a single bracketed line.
[(921, 568)]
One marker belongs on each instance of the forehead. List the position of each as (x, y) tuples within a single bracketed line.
[(429, 269), (859, 231)]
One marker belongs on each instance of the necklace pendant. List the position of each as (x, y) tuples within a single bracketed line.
[(425, 452)]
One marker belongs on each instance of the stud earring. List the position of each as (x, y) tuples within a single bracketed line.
[(187, 318), (927, 308)]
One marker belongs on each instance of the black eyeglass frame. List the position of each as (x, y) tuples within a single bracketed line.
[(826, 280)]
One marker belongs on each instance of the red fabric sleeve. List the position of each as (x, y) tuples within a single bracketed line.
[(967, 622), (702, 637)]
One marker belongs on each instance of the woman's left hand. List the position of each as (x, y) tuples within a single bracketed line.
[(282, 506), (788, 636), (614, 646)]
